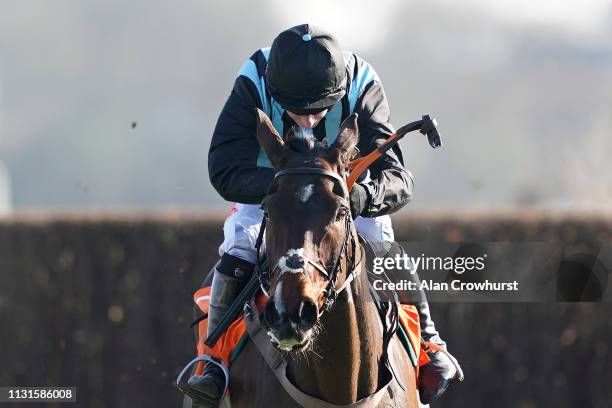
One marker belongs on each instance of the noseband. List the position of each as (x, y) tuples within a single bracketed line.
[(330, 292)]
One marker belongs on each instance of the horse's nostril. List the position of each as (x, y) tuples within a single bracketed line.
[(270, 313), (308, 313)]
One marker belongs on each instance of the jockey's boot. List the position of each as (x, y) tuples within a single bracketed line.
[(230, 277), (443, 369)]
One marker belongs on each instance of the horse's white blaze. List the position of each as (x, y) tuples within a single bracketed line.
[(282, 262), (305, 192)]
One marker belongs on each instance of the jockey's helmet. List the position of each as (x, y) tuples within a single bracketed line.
[(306, 71)]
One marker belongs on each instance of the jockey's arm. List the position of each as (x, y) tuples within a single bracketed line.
[(391, 184), (232, 157)]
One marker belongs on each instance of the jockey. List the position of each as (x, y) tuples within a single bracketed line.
[(307, 85)]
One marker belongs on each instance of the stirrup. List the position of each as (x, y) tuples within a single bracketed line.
[(185, 388)]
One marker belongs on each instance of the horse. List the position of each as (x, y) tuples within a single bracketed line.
[(319, 313)]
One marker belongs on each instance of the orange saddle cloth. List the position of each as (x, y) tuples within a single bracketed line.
[(230, 343)]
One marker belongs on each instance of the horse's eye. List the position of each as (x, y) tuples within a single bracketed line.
[(342, 211)]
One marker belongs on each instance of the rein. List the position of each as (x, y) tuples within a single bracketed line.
[(354, 268)]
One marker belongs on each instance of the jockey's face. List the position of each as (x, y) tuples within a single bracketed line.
[(307, 121)]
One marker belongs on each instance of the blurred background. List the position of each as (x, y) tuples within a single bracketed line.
[(111, 104), (108, 220)]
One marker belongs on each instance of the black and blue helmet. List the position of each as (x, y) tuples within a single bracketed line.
[(306, 72)]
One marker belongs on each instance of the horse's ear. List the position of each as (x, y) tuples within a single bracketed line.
[(268, 138), (347, 138)]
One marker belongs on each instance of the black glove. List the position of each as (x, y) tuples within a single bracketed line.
[(437, 375), (358, 198)]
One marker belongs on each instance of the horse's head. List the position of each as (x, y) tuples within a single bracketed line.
[(310, 238)]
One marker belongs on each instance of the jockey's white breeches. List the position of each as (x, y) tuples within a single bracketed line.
[(241, 229)]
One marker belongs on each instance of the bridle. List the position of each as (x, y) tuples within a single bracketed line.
[(330, 292)]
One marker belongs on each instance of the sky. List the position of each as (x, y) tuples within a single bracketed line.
[(588, 18)]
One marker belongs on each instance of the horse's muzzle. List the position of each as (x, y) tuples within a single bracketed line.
[(291, 328)]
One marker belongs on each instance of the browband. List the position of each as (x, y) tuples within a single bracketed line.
[(313, 171)]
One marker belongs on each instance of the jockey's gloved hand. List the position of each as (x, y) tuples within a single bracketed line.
[(358, 198), (437, 375)]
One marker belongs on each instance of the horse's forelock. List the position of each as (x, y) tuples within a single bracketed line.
[(305, 145)]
